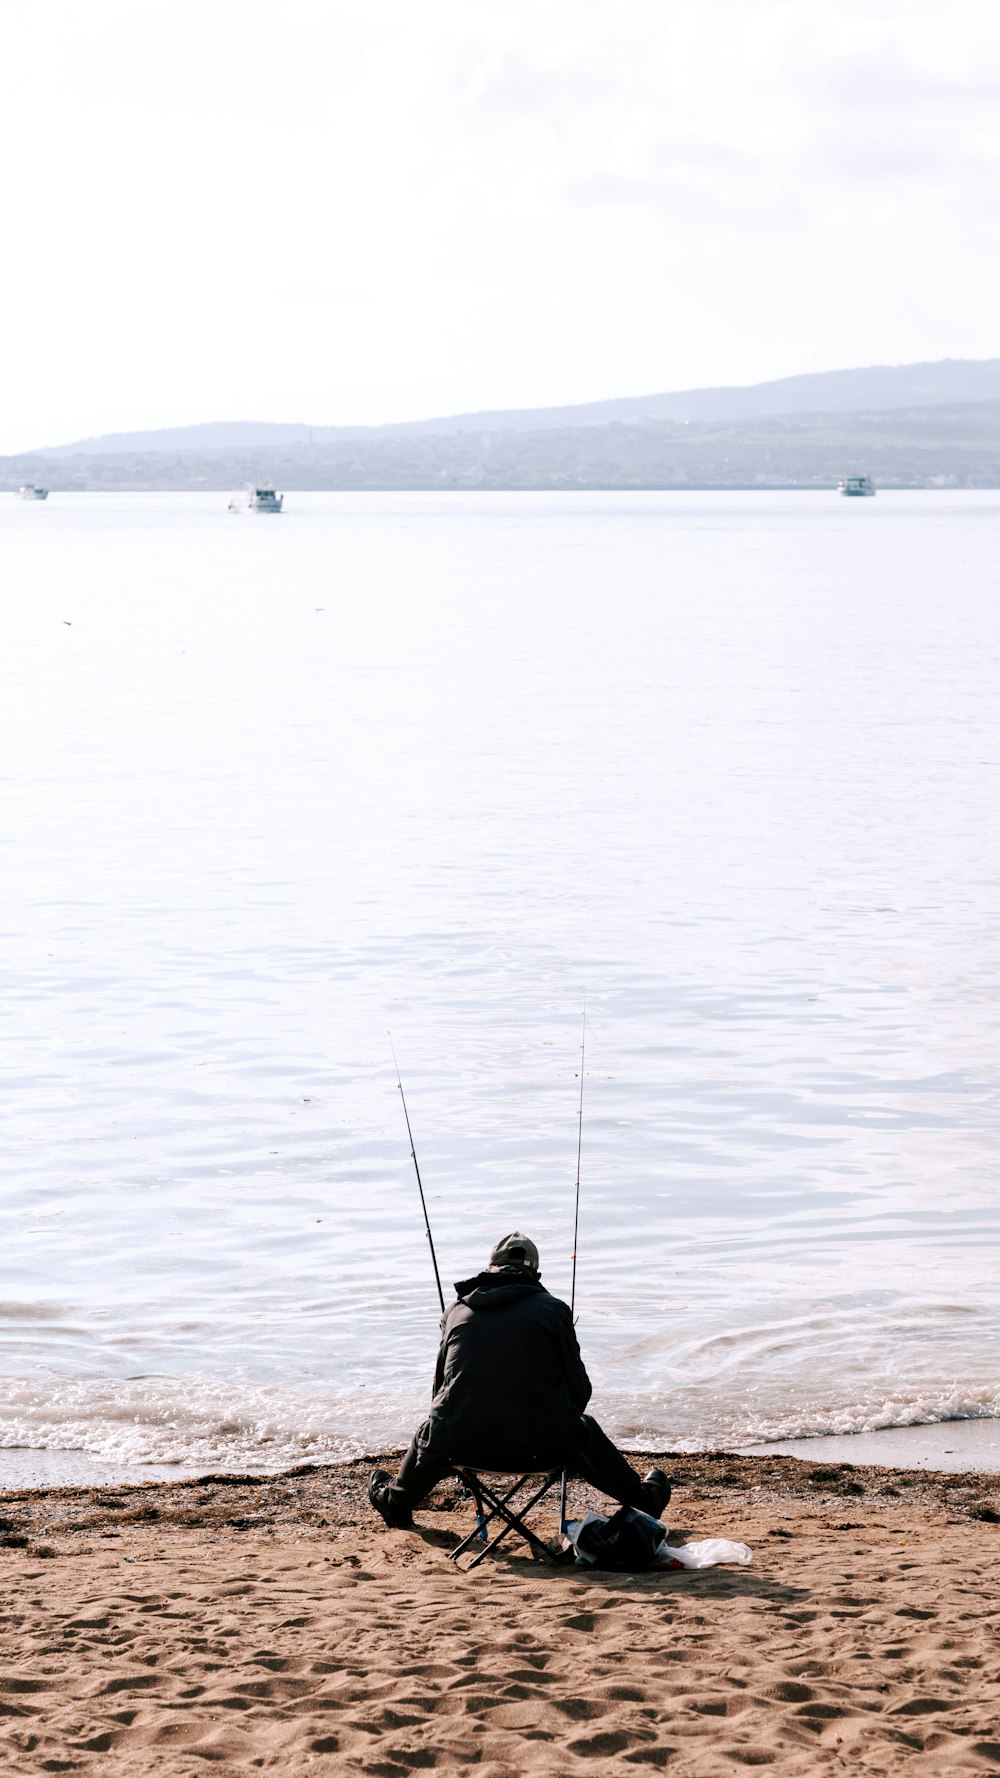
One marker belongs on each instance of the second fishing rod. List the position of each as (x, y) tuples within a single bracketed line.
[(564, 1488)]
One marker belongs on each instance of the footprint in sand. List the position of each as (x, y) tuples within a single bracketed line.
[(602, 1746)]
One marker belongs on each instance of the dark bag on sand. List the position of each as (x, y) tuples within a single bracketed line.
[(627, 1543)]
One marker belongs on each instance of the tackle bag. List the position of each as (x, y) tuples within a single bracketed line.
[(627, 1543)]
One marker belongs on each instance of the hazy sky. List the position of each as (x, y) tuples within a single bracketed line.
[(359, 210)]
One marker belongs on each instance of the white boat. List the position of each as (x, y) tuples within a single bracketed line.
[(256, 499), (30, 492), (858, 485)]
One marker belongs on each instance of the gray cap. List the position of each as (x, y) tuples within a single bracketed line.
[(515, 1250)]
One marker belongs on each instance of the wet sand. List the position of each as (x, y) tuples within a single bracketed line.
[(275, 1625), (945, 1445)]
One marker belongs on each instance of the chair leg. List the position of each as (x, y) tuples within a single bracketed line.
[(472, 1490), (479, 1493), (513, 1521), (480, 1517)]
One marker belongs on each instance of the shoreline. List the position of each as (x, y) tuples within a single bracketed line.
[(278, 1624), (318, 1495), (714, 1474), (944, 1446)]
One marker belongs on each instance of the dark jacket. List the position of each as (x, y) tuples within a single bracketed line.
[(510, 1383)]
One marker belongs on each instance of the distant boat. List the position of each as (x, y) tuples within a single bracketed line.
[(30, 492), (256, 499), (858, 485)]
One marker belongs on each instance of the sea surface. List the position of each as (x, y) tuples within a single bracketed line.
[(724, 767)]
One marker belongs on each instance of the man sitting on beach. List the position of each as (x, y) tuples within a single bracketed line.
[(509, 1393)]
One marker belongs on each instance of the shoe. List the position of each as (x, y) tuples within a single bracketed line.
[(380, 1494), (658, 1491)]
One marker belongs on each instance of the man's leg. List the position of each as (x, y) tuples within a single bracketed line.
[(423, 1465), (596, 1460)]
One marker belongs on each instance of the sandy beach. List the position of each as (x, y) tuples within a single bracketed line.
[(275, 1625)]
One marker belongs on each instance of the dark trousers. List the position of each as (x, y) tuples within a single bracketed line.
[(590, 1455)]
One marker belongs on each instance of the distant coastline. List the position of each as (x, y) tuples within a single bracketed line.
[(612, 459), (908, 426), (290, 485)]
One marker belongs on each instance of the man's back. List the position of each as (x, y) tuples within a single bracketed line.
[(510, 1382)]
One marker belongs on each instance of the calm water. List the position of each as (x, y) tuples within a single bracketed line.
[(728, 764)]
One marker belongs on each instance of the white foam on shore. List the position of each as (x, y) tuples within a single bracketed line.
[(182, 1423), (949, 1447), (923, 1408), (152, 1426)]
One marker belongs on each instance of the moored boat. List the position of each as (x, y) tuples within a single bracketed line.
[(31, 492), (857, 485)]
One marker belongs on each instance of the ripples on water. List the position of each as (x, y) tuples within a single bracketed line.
[(727, 763)]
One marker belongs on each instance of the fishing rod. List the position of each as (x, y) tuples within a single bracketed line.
[(420, 1183), (579, 1151), (576, 1228)]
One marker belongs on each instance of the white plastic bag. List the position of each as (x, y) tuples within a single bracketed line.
[(706, 1554)]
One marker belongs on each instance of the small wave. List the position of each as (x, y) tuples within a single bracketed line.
[(193, 1421), (687, 1430), (205, 1422), (881, 1416)]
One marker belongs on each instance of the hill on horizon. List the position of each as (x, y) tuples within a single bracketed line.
[(883, 388), (950, 445)]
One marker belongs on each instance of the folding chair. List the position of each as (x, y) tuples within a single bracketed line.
[(502, 1506)]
